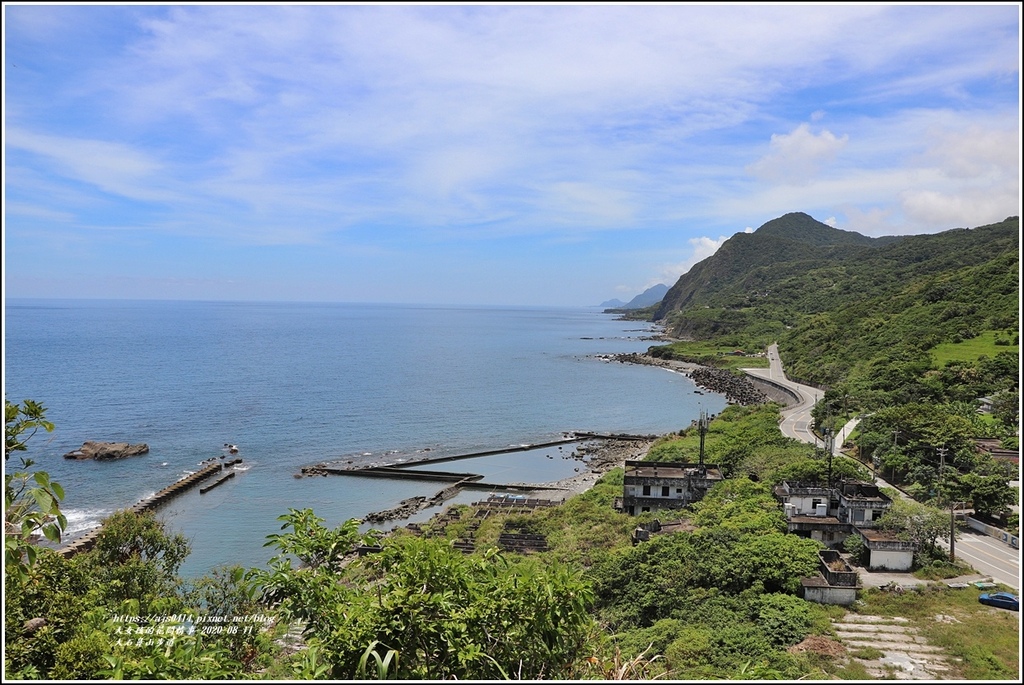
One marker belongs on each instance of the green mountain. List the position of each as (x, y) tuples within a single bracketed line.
[(835, 300), (749, 265)]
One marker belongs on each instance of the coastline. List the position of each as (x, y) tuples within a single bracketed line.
[(605, 456), (598, 454)]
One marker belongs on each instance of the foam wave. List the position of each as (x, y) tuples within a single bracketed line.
[(82, 520)]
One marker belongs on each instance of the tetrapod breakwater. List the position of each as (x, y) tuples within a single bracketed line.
[(84, 543)]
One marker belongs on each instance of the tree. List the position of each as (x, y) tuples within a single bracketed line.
[(741, 505), (135, 559), (1006, 407), (31, 499), (990, 495), (918, 523), (421, 609)]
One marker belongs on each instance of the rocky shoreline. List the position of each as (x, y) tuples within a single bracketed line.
[(600, 456), (737, 389)]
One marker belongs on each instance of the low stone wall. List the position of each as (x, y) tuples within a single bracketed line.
[(774, 391), (998, 533)]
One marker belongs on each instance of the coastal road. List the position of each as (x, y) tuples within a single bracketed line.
[(987, 555), (796, 418)]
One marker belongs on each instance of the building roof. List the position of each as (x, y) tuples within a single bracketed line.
[(876, 535), (865, 492), (790, 488), (654, 469), (817, 520)]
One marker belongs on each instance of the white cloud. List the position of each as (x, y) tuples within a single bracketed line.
[(703, 247), (564, 125), (797, 156), (112, 167)]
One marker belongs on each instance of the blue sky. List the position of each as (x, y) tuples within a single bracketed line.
[(482, 154)]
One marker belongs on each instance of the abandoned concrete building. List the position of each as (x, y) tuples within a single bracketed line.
[(886, 551), (656, 486), (810, 512), (836, 582), (830, 515)]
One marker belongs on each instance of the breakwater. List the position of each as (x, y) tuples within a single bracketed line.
[(84, 543)]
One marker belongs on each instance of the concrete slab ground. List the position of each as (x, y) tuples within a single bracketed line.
[(881, 578)]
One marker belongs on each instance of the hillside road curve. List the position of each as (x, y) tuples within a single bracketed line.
[(796, 418), (987, 555)]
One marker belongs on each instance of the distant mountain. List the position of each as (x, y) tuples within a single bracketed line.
[(649, 297)]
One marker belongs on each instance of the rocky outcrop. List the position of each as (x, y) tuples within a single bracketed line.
[(102, 451), (408, 507), (737, 389)]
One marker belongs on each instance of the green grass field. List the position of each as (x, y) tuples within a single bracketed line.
[(982, 642), (971, 350), (724, 357)]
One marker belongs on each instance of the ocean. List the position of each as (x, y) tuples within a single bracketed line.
[(295, 384)]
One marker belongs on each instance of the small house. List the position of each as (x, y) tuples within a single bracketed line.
[(861, 504), (655, 486), (886, 552), (836, 582)]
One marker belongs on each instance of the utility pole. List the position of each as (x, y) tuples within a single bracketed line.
[(952, 529), (828, 448), (895, 437), (702, 428)]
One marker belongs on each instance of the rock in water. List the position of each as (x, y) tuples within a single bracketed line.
[(107, 450)]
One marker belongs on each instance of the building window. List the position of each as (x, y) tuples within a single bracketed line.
[(647, 490), (679, 491), (664, 491), (858, 514)]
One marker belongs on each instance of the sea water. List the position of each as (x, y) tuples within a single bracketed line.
[(295, 384)]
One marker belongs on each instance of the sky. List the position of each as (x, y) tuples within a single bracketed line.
[(495, 154)]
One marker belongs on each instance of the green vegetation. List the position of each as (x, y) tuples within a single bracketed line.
[(985, 344), (907, 333), (717, 354), (747, 441), (31, 499), (716, 600)]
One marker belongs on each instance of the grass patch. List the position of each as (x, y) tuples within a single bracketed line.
[(983, 643), (712, 354), (988, 343), (867, 653)]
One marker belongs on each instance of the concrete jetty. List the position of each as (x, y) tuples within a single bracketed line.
[(470, 481), (203, 491), (407, 473), (84, 543)]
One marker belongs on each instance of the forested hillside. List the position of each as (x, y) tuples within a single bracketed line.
[(841, 305), (918, 335)]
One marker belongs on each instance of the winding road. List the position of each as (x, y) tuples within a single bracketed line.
[(987, 555)]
